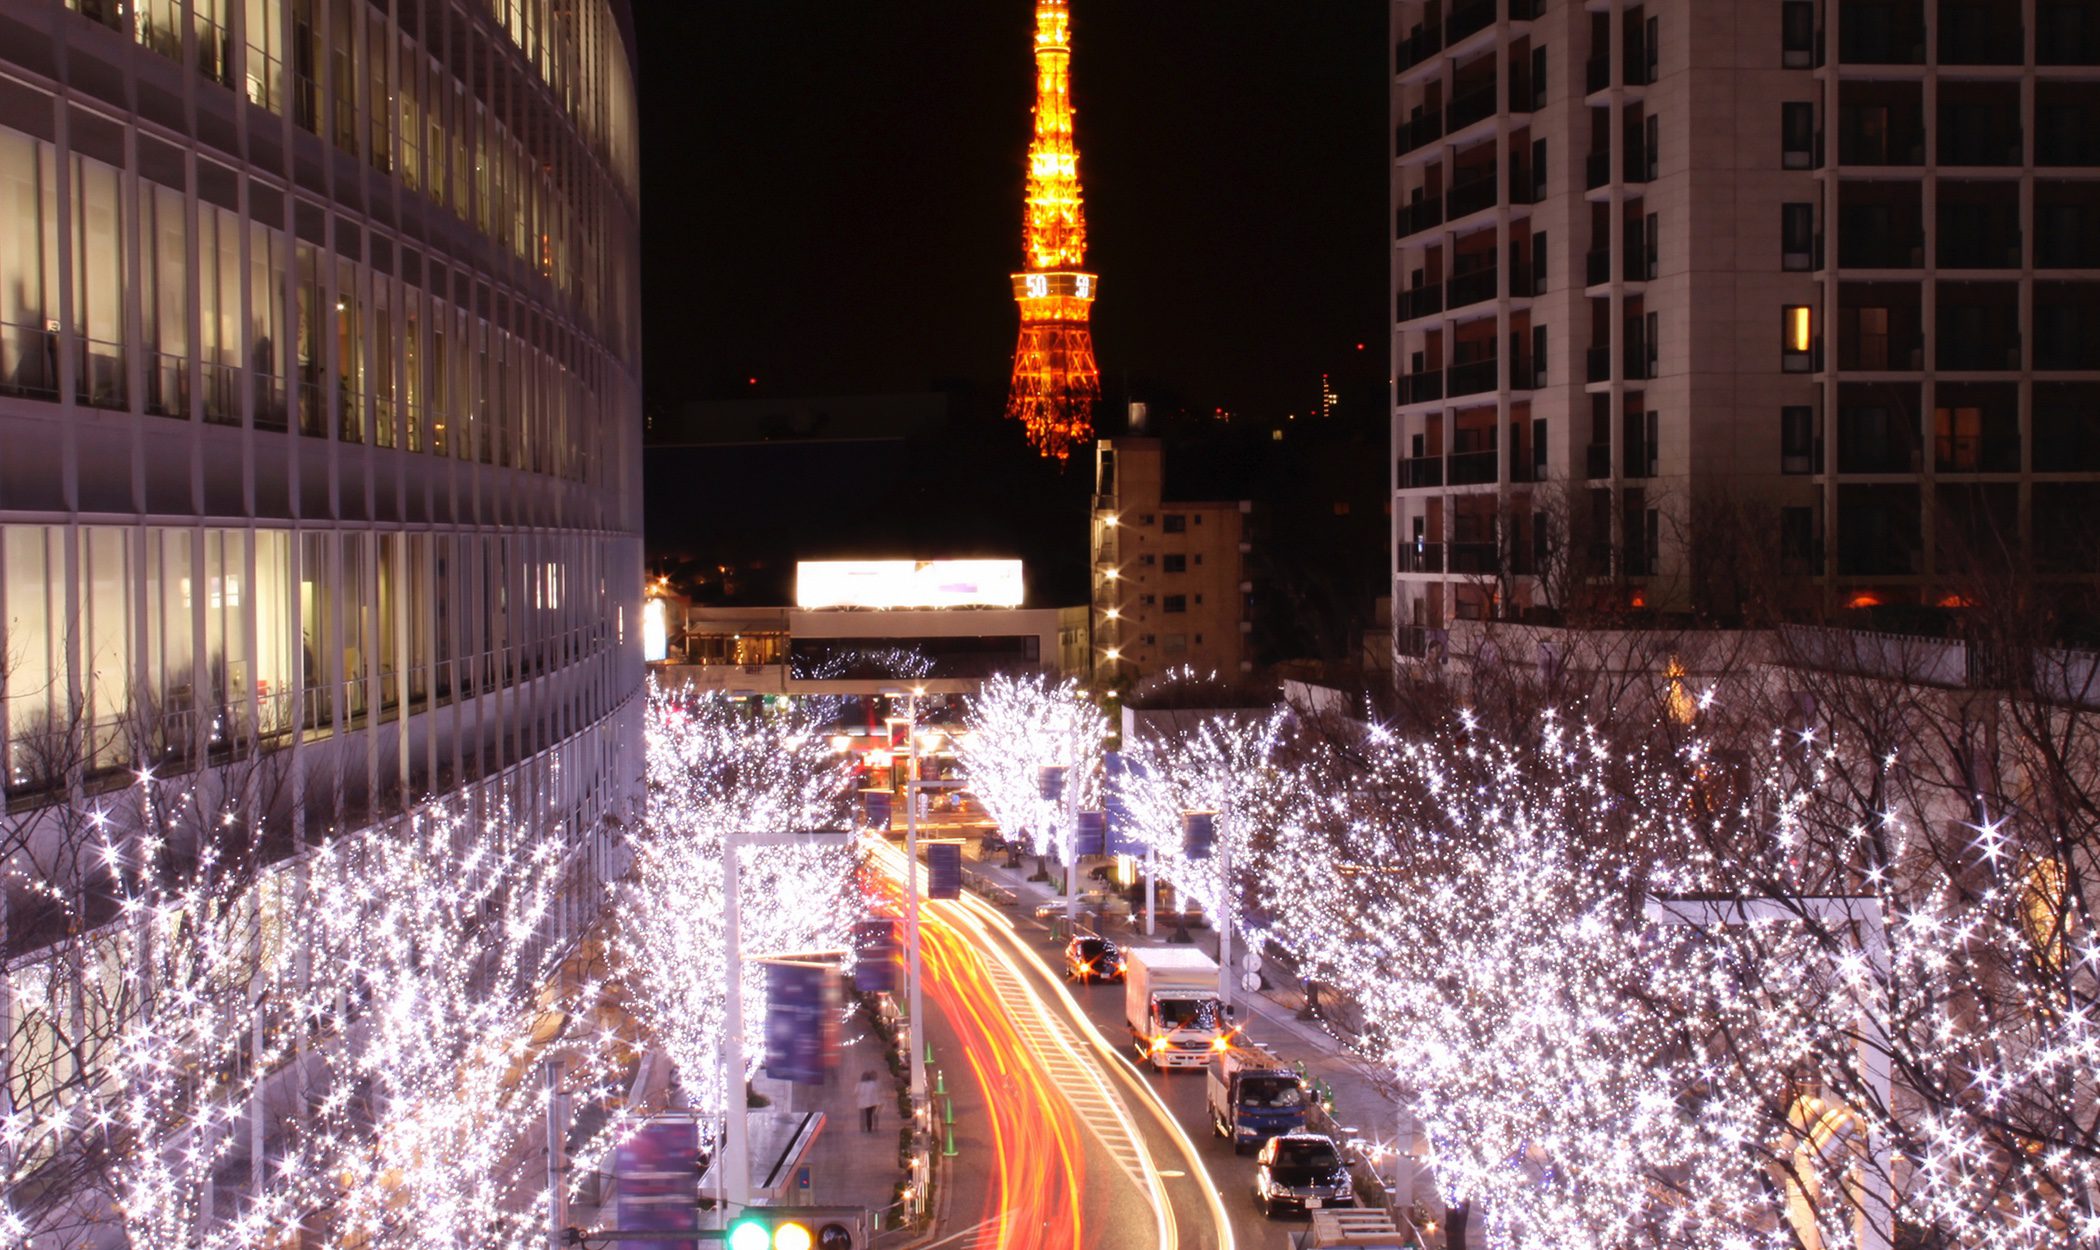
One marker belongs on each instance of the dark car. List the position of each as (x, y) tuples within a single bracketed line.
[(1301, 1172), (1090, 958)]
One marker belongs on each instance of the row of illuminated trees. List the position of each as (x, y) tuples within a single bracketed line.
[(1741, 958), (372, 1038)]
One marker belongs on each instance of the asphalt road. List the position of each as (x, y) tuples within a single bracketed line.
[(1181, 1091), (1060, 1141)]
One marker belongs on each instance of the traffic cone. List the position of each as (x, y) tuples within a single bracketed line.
[(949, 1151), (940, 1081), (929, 1050), (948, 1110)]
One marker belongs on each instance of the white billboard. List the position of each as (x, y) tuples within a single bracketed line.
[(908, 584)]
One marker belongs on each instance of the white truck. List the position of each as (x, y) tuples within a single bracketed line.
[(1170, 1002)]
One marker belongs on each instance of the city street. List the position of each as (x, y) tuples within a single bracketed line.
[(1059, 1056), (1076, 1149)]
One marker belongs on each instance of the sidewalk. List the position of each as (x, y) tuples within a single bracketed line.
[(846, 1166), (1364, 1105)]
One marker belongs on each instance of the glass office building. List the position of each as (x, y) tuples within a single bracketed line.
[(320, 404)]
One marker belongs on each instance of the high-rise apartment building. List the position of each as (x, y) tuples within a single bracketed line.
[(1824, 272), (1171, 588), (320, 405)]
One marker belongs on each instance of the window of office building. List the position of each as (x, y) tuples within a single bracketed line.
[(1797, 231), (98, 282), (1176, 603)]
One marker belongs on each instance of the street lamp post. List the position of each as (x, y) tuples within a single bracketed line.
[(736, 1143), (913, 966)]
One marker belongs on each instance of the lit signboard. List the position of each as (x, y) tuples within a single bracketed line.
[(656, 631), (908, 584)]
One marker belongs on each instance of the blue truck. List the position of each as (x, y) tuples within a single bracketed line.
[(1252, 1097)]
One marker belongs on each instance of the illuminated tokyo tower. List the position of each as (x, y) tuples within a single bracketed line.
[(1056, 381)]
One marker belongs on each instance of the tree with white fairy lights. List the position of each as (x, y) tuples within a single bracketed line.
[(386, 1002), (1220, 762), (1692, 994), (717, 767), (1018, 726)]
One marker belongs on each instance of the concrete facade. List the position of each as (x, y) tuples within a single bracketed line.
[(1825, 265)]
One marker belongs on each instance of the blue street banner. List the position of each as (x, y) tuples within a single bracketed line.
[(658, 1174), (1121, 830), (1090, 837), (944, 870), (875, 952), (802, 1021), (875, 809), (1050, 782), (1199, 834)]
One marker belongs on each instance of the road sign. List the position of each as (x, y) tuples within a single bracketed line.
[(1090, 836), (1050, 782), (1250, 981), (1250, 961), (944, 870), (802, 1021)]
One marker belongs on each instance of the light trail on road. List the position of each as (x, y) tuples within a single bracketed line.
[(1039, 1060)]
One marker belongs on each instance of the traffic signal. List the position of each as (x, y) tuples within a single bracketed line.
[(800, 1228)]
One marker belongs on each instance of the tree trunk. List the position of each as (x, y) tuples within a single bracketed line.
[(1456, 1217)]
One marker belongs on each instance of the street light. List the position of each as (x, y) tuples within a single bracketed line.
[(913, 964)]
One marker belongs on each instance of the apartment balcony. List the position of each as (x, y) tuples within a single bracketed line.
[(1479, 558), (1421, 43), (1418, 472), (1468, 19), (1426, 213), (1473, 468), (1998, 249), (1959, 453), (2065, 117), (1469, 106), (1526, 374), (1640, 360), (1596, 74), (1596, 266), (1596, 364), (1875, 33), (1420, 557), (1596, 462), (1470, 197), (2067, 249), (1981, 32), (1421, 387), (1470, 288), (1472, 378), (1596, 170), (1864, 250), (2067, 34), (1424, 301), (1418, 131)]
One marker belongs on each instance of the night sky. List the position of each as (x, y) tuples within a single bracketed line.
[(832, 191)]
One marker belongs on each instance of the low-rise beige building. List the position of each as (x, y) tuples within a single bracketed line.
[(1170, 580)]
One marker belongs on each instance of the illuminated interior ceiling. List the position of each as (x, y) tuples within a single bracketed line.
[(1056, 381)]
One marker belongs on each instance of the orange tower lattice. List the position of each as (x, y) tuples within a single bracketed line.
[(1056, 382)]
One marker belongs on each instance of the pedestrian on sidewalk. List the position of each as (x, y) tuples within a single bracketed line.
[(867, 1095)]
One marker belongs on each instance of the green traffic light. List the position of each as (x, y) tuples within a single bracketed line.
[(750, 1234)]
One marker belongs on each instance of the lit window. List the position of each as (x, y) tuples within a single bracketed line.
[(1797, 349)]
